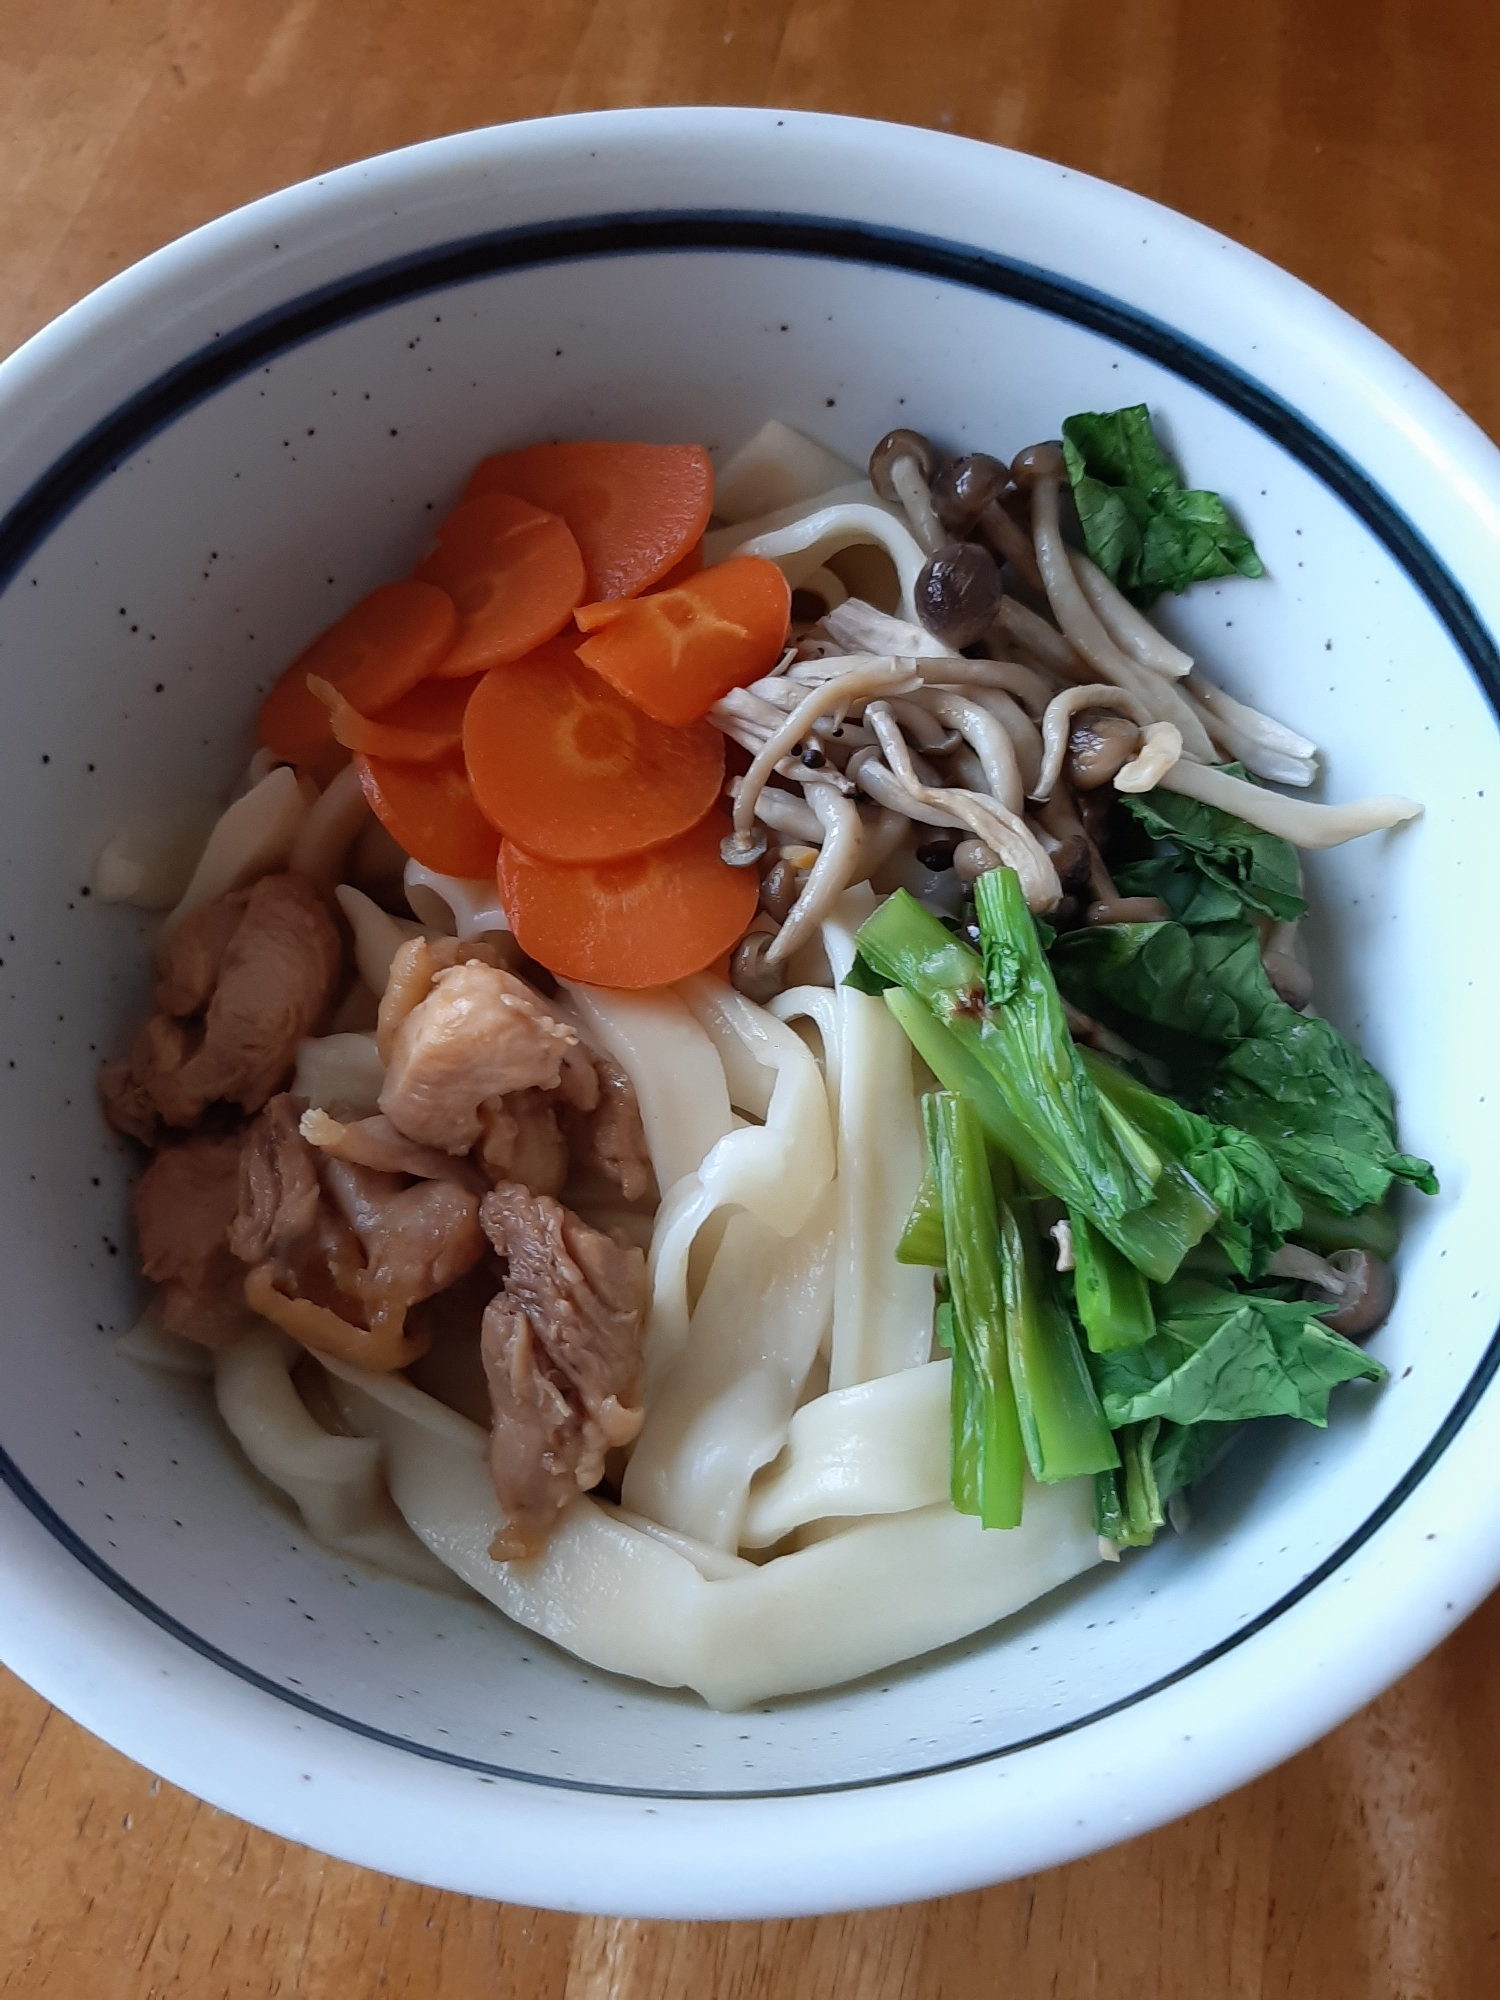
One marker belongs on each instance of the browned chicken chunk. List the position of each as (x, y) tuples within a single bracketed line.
[(246, 977), (562, 1355), (184, 1204), (611, 1137), (339, 1253), (522, 1141), (479, 1033)]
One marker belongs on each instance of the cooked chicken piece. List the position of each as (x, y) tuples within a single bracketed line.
[(562, 1354), (375, 1142), (522, 1141), (184, 1204), (417, 963), (339, 1253), (480, 1033), (235, 1002), (611, 1137)]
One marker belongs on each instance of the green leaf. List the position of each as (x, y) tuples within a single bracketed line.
[(1215, 864), (1200, 1000), (1220, 1357), (863, 978), (1184, 1452), (1143, 529), (1257, 1210)]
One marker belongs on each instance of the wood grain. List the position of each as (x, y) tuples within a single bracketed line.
[(1353, 141)]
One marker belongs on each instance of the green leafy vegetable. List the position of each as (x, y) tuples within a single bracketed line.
[(1220, 1357), (1140, 525), (1112, 1296), (1201, 1000), (1061, 1422), (1257, 1210), (1209, 866), (1016, 1064), (1127, 1504), (921, 1239), (988, 1460)]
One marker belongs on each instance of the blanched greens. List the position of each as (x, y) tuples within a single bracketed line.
[(1140, 525)]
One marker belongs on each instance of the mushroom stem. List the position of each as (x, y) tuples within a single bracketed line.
[(986, 818), (884, 832), (1132, 633), (1010, 540), (871, 677), (986, 736), (882, 784), (1076, 616), (1160, 749), (784, 812), (835, 868), (915, 496), (1010, 677), (1044, 642), (1057, 725), (1297, 820), (1262, 745)]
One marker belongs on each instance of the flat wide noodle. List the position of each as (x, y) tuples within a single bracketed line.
[(722, 1410), (337, 1483), (882, 1310), (861, 1599), (879, 1448)]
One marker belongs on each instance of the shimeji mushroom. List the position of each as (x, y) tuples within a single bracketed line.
[(901, 469), (1040, 468), (1361, 1286), (1266, 747), (958, 593), (1057, 725), (1131, 632), (966, 493), (1297, 820)]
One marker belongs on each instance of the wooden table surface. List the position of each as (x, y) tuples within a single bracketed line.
[(1356, 142)]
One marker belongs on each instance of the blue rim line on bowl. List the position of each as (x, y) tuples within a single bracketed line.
[(233, 355)]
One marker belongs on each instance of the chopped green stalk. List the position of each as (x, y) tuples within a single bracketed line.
[(921, 1240), (942, 1325), (1127, 1506), (1016, 1064), (1114, 1300), (1256, 1207), (1062, 1420), (1374, 1229), (988, 1461)]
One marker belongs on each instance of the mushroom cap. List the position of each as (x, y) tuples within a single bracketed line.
[(898, 445), (962, 489), (1369, 1293), (1038, 461), (958, 593), (748, 971), (1100, 745)]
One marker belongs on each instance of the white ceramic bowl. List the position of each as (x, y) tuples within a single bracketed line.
[(211, 456)]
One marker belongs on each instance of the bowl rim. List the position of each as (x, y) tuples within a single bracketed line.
[(301, 316)]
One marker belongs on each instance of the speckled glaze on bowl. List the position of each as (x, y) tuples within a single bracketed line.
[(213, 455)]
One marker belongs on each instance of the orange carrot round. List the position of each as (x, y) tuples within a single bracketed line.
[(429, 810), (636, 509), (571, 770), (513, 570), (390, 640), (640, 922), (427, 723), (675, 652)]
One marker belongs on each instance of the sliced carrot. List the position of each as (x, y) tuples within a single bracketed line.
[(390, 640), (645, 921), (690, 565), (513, 570), (425, 724), (636, 509), (429, 810), (675, 652), (572, 771)]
